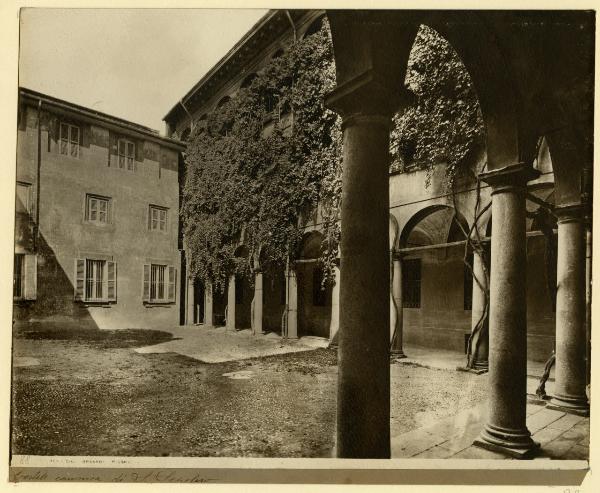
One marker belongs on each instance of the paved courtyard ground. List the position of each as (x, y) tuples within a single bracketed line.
[(152, 393)]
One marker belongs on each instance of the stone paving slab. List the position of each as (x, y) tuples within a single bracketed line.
[(561, 436)]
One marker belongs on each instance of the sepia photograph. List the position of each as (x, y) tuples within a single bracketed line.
[(281, 233)]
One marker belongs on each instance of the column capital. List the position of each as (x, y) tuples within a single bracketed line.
[(569, 213), (367, 98), (396, 255), (510, 177)]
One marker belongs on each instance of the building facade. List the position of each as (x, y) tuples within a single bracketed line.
[(96, 233), (434, 300)]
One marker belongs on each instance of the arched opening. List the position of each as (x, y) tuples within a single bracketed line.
[(247, 82), (314, 296), (436, 313), (244, 293), (274, 292)]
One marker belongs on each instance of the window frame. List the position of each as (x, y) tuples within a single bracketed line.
[(89, 197), (159, 210), (69, 140), (85, 283), (28, 206), (126, 161), (20, 278), (151, 285)]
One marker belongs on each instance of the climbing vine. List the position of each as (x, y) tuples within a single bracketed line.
[(261, 164), (262, 161)]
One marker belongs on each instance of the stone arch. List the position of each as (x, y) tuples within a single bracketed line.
[(432, 225), (314, 299), (394, 232)]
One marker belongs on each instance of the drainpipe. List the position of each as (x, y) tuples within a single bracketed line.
[(38, 175), (287, 13), (188, 113)]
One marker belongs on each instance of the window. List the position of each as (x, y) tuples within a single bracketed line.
[(25, 277), (126, 154), (157, 218), (69, 140), (23, 202), (411, 283), (318, 290), (18, 275), (95, 280), (97, 209), (468, 285), (158, 284)]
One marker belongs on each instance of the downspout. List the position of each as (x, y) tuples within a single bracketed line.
[(188, 113), (287, 13), (38, 175)]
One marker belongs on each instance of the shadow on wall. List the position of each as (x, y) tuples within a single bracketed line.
[(54, 303)]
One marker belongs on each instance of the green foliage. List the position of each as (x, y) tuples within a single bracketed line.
[(444, 124), (251, 178)]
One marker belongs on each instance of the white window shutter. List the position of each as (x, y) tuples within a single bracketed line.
[(111, 281), (30, 291), (146, 283), (79, 278), (171, 291)]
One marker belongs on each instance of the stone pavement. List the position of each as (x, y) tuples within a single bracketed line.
[(561, 435), (217, 344)]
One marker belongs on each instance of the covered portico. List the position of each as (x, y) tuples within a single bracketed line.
[(533, 72)]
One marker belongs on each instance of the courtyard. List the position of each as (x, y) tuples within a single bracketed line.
[(153, 393)]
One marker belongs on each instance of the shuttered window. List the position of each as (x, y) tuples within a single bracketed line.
[(126, 154), (69, 140), (411, 283), (158, 283), (25, 277), (95, 280)]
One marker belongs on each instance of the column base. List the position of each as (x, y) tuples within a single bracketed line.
[(514, 443), (398, 354), (481, 365), (570, 405)]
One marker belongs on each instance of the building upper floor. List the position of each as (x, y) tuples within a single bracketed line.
[(269, 38)]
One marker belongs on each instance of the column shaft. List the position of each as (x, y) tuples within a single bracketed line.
[(570, 370), (190, 302), (258, 303), (292, 302), (335, 306), (506, 428), (363, 411), (397, 337), (231, 303), (209, 318)]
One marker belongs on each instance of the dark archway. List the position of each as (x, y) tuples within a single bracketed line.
[(314, 298)]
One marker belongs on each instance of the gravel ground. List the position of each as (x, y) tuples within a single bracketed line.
[(92, 394)]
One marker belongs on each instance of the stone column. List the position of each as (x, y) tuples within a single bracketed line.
[(397, 349), (292, 302), (258, 302), (231, 303), (335, 306), (363, 404), (209, 318), (570, 369), (588, 300), (190, 302), (480, 343), (506, 429)]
